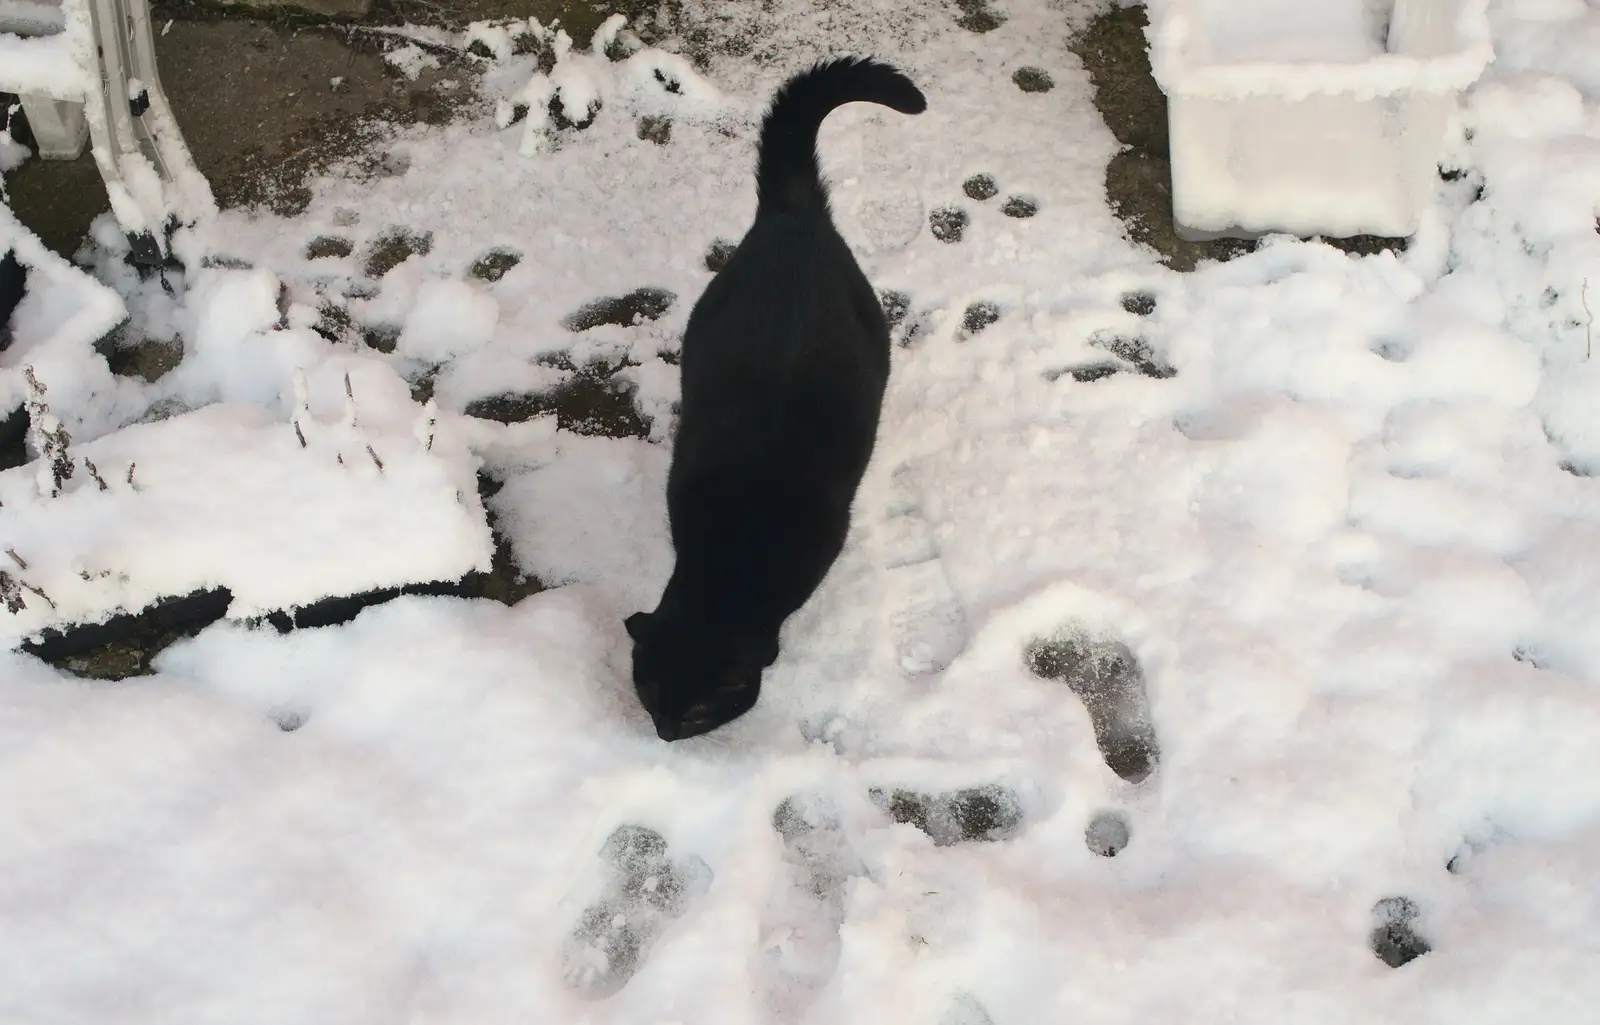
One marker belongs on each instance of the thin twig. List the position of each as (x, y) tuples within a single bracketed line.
[(1588, 331), (35, 590), (131, 484), (375, 460), (88, 464), (298, 434), (16, 559)]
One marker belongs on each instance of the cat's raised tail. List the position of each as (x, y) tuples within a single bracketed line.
[(787, 175)]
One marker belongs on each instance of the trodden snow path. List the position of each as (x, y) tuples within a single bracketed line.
[(1279, 582)]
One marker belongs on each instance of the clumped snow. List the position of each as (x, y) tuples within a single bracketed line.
[(1209, 647)]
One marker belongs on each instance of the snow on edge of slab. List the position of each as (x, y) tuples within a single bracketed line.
[(226, 496)]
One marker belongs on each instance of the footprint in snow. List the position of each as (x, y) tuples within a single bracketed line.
[(895, 305), (890, 208), (328, 247), (1106, 675), (719, 254), (980, 187), (964, 1009), (1107, 834), (1140, 304), (977, 316), (981, 814), (1135, 351), (647, 890), (1020, 207), (392, 247), (1395, 940), (978, 17), (904, 326), (638, 306), (800, 924), (493, 265), (1134, 354), (927, 619), (948, 223), (1033, 80)]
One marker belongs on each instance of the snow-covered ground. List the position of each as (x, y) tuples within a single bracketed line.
[(1334, 558)]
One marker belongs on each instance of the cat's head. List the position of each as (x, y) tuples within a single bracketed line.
[(690, 684)]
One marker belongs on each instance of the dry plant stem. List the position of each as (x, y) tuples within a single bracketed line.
[(1588, 331), (40, 593), (94, 472)]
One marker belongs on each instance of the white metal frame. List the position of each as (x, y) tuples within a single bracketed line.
[(124, 116)]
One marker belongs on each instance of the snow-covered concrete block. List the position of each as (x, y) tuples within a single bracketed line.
[(1313, 118), (32, 17)]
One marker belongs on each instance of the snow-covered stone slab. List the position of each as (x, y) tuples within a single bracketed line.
[(1321, 118), (379, 494)]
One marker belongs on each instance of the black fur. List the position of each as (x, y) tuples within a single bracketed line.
[(784, 364)]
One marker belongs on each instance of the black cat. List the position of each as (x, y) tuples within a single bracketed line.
[(784, 364)]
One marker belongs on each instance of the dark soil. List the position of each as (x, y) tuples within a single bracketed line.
[(592, 402), (948, 223), (638, 306), (980, 187)]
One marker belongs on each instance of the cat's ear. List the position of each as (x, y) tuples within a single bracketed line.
[(638, 626)]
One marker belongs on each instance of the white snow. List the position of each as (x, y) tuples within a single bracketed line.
[(225, 496), (1323, 118), (451, 318), (32, 17), (411, 60), (59, 63), (1353, 543)]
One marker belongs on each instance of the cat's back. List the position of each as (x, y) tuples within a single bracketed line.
[(790, 302)]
